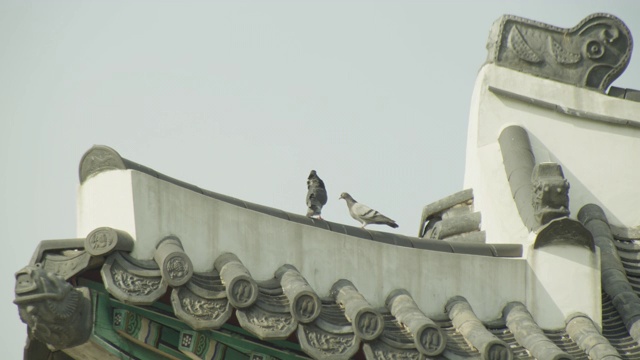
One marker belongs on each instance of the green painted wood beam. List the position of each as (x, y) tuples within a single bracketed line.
[(235, 338), (105, 335)]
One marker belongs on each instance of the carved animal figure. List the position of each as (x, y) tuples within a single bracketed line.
[(316, 195), (365, 214), (55, 312)]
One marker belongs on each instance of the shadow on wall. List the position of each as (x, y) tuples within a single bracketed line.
[(550, 299), (579, 193)]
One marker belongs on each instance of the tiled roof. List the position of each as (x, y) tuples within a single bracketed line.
[(335, 325), (341, 323)]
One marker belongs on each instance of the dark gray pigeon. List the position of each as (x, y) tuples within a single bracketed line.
[(316, 195), (365, 214)]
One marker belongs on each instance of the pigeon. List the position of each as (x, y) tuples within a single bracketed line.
[(316, 195), (365, 214)]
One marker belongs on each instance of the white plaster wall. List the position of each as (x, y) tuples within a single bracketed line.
[(563, 280), (106, 200), (599, 159), (208, 228)]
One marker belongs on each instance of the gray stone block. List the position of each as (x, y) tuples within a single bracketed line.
[(200, 312), (242, 290), (466, 322), (105, 240), (132, 282), (174, 263), (305, 304), (529, 335), (583, 331), (592, 54), (269, 318), (367, 323), (428, 338)]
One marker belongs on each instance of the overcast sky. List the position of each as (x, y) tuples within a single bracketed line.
[(244, 98)]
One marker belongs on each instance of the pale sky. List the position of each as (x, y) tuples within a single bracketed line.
[(244, 98)]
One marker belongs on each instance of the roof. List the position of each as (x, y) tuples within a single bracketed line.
[(285, 305)]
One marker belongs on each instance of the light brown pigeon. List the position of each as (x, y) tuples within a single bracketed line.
[(365, 214)]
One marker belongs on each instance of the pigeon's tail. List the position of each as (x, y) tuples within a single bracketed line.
[(393, 225)]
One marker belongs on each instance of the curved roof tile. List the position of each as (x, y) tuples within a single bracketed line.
[(340, 324)]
